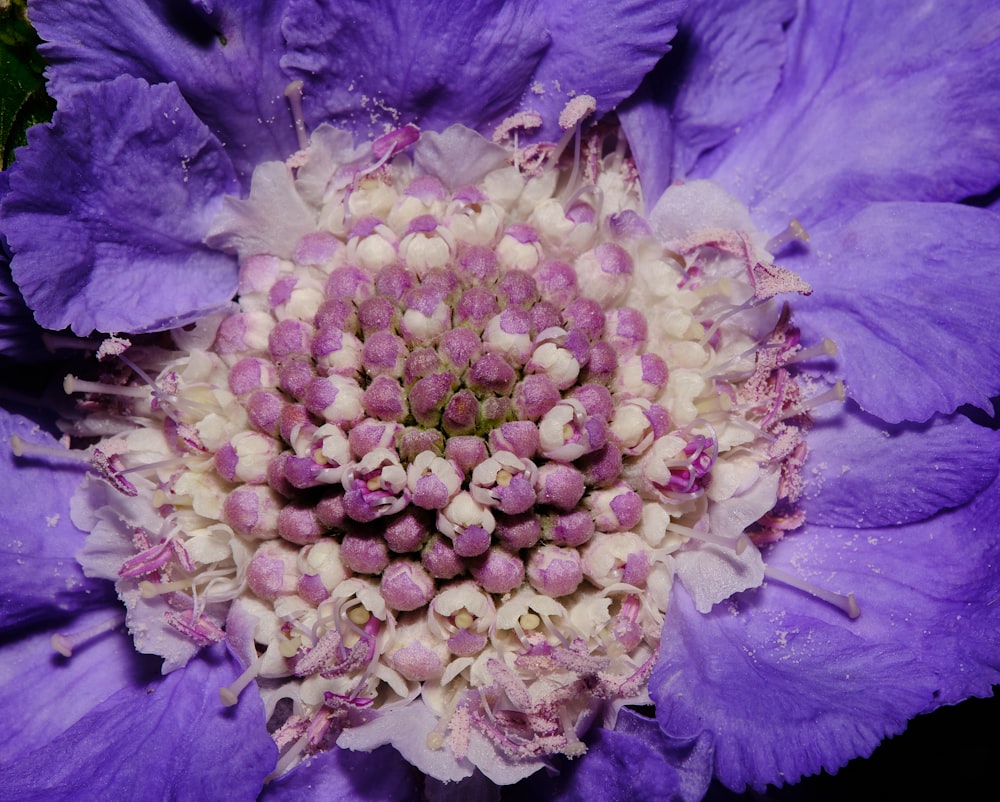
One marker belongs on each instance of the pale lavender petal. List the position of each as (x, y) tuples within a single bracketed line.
[(908, 292), (155, 739), (789, 685), (866, 473), (857, 119), (223, 55), (108, 207), (39, 576)]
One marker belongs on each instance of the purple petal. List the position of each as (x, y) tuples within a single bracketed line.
[(39, 576), (108, 207), (599, 49), (789, 686), (19, 334), (619, 766), (225, 61), (341, 775), (723, 67), (367, 65), (866, 473), (691, 757), (160, 739), (858, 120), (908, 293), (46, 693)]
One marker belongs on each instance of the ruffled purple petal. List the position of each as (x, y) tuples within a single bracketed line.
[(108, 207), (599, 49), (46, 693), (859, 119), (789, 686), (908, 292), (341, 775), (723, 67), (367, 65), (223, 55), (39, 576), (161, 739)]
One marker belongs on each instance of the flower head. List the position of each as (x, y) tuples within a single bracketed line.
[(479, 402)]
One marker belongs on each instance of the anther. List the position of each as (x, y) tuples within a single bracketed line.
[(847, 603)]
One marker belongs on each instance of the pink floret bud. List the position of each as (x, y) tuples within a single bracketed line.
[(555, 571), (498, 571), (406, 585)]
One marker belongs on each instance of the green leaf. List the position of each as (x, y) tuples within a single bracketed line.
[(23, 102)]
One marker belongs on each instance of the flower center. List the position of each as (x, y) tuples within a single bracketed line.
[(451, 449)]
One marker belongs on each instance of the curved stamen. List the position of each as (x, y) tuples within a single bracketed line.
[(847, 603)]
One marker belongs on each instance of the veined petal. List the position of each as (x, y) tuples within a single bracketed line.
[(39, 577), (108, 208), (370, 65), (223, 55), (789, 686), (866, 473), (599, 49), (156, 739), (908, 293), (856, 120)]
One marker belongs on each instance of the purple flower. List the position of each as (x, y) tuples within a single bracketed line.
[(174, 178)]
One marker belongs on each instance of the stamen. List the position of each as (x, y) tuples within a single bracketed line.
[(229, 695), (737, 544), (151, 590), (152, 466), (66, 643), (834, 394), (20, 447), (826, 348), (793, 231), (293, 94), (289, 759), (71, 384), (845, 603)]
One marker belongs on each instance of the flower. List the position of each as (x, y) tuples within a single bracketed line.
[(766, 686)]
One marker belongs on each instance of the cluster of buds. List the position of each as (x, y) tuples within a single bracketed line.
[(444, 443)]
